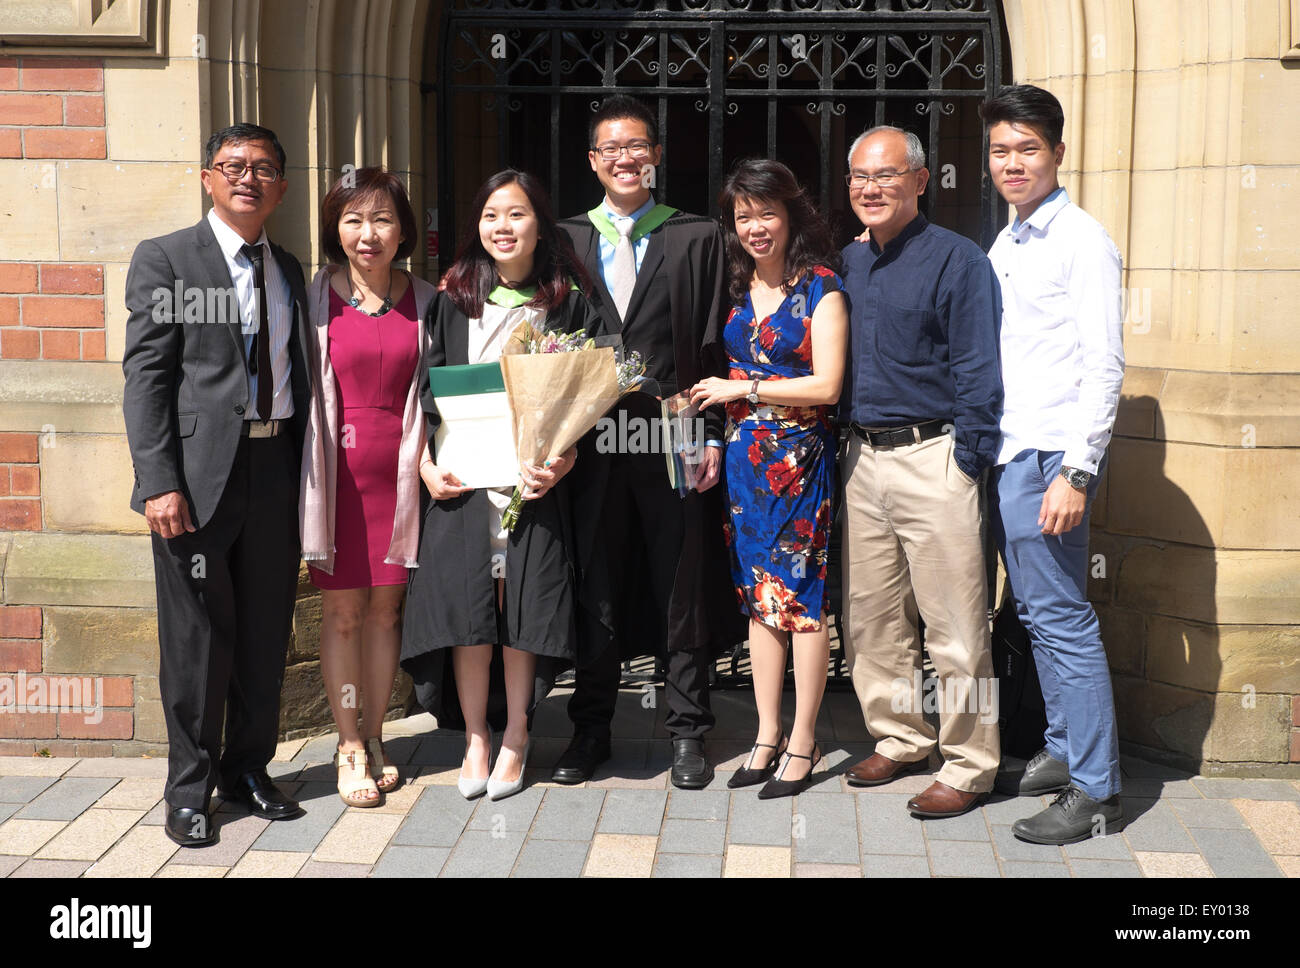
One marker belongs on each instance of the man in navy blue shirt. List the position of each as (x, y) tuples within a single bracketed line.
[(923, 394)]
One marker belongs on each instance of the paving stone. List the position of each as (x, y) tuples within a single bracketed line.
[(8, 862), (551, 858), (1020, 868), (636, 778), (191, 870), (1290, 866), (35, 765), (315, 868), (969, 826), (687, 865), (1172, 864), (399, 801), (268, 863), (1008, 847), (318, 750), (1276, 824), (885, 826), (67, 799), (51, 868), (828, 870), (749, 860), (91, 835), (483, 854), (1230, 853), (440, 749), (26, 837), (512, 815), (1160, 789), (692, 837), (121, 766), (304, 833), (633, 812), (1105, 868), (7, 810), (1156, 827), (1008, 810), (436, 820), (1112, 847), (568, 815), (22, 789), (287, 750), (411, 862), (698, 804), (283, 771), (1207, 813), (958, 858), (235, 834), (134, 793), (155, 817), (894, 865), (825, 831), (620, 855), (1227, 788), (140, 853), (755, 821), (358, 838), (1132, 766)]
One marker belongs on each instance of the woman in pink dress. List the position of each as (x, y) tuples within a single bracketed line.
[(359, 507)]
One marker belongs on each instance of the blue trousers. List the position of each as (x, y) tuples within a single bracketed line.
[(1049, 582)]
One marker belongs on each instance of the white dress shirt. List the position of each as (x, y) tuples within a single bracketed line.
[(279, 314), (607, 247), (1062, 333)]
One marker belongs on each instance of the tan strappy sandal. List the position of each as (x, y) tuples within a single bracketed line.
[(356, 781), (386, 775)]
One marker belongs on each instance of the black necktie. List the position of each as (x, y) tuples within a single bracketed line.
[(260, 361)]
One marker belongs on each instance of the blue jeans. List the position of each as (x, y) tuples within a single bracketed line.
[(1048, 575)]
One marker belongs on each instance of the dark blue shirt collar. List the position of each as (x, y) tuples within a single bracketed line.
[(914, 227)]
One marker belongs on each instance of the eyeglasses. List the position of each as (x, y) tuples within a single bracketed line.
[(234, 171), (637, 150), (859, 179)]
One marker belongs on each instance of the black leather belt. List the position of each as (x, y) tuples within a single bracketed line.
[(889, 437), (261, 428)]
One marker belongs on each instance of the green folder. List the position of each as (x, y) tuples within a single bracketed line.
[(466, 379)]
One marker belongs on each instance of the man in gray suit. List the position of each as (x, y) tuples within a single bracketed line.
[(215, 405)]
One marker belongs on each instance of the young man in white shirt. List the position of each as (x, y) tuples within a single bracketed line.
[(1062, 367)]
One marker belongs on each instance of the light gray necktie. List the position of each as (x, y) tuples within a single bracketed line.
[(623, 275)]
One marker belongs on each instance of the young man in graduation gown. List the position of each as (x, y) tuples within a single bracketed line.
[(653, 569)]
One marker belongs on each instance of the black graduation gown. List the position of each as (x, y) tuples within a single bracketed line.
[(451, 596), (675, 319)]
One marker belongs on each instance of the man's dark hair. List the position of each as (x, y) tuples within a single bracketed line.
[(366, 186), (1027, 105), (618, 106), (238, 134)]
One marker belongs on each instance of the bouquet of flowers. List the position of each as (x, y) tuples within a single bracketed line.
[(559, 385)]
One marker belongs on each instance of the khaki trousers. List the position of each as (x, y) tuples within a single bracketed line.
[(912, 543)]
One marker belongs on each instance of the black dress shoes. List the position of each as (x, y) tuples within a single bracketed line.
[(1042, 774), (256, 791), (577, 763), (691, 771), (190, 827), (1072, 817)]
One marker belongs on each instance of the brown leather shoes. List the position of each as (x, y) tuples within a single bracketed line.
[(941, 800), (877, 769)]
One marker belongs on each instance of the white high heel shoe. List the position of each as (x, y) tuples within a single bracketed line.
[(500, 789), (471, 788)]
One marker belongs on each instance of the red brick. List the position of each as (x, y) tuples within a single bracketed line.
[(11, 143), (1295, 711), (116, 724), (27, 725), (56, 747), (20, 344), (20, 621), (72, 311), (16, 747), (20, 655), (18, 277), (75, 279), (119, 691), (25, 480), (9, 311), (60, 344), (19, 448), (1295, 746), (31, 109), (64, 143), (8, 73), (92, 344), (4, 480), (84, 109), (94, 748), (62, 74), (20, 514)]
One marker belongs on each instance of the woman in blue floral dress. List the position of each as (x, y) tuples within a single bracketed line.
[(786, 339)]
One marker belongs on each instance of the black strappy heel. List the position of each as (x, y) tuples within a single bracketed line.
[(777, 787), (744, 776)]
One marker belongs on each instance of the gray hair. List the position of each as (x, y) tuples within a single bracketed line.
[(915, 150)]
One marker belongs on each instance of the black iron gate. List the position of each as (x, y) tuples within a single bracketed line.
[(795, 80)]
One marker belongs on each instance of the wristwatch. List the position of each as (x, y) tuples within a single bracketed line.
[(1077, 479), (752, 396)]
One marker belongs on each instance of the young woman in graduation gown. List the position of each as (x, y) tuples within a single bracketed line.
[(471, 634)]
